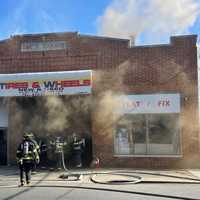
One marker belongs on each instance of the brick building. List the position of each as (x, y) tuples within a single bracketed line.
[(154, 123)]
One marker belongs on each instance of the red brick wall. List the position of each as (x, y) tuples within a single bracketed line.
[(159, 69)]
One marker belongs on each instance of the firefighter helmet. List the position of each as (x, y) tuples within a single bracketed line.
[(28, 135)]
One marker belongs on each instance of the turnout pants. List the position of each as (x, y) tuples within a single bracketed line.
[(77, 159), (25, 171)]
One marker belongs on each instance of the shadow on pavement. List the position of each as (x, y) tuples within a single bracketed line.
[(27, 189)]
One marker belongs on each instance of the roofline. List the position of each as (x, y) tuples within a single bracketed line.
[(103, 37), (43, 34), (64, 33), (171, 38), (182, 36), (150, 45), (100, 37), (4, 40)]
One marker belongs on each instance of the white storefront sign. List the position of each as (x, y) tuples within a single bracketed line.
[(46, 83), (151, 103), (43, 46)]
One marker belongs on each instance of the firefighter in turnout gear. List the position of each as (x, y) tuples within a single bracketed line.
[(58, 145), (27, 155), (77, 146), (32, 139)]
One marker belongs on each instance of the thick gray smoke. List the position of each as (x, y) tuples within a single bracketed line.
[(153, 20), (105, 116), (57, 114), (53, 115), (63, 115)]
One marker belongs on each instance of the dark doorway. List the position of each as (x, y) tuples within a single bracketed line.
[(87, 151), (3, 146)]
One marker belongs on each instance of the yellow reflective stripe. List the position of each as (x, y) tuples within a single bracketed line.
[(28, 158)]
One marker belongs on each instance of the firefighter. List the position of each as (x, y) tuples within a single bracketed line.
[(27, 154), (32, 139), (77, 147), (58, 150)]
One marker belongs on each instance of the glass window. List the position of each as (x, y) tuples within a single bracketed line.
[(148, 134), (138, 133), (163, 131), (122, 143)]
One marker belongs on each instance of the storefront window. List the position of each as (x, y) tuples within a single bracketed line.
[(138, 132), (148, 134), (122, 143)]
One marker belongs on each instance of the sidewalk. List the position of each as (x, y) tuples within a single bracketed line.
[(195, 172)]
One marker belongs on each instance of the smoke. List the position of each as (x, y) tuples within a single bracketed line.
[(56, 114), (150, 21), (109, 85), (62, 115), (105, 116), (187, 123), (52, 115)]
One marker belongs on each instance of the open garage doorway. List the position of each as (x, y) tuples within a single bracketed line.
[(52, 117)]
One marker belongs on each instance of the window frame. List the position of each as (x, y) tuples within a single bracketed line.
[(179, 152)]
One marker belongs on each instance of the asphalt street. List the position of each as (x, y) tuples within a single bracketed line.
[(48, 185), (142, 191)]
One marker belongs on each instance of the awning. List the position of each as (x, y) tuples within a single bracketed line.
[(46, 83)]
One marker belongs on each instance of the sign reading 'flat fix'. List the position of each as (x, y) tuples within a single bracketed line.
[(151, 103)]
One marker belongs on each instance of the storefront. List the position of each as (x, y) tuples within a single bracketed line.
[(149, 126), (30, 93)]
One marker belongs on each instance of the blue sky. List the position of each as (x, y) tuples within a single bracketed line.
[(33, 16), (150, 22)]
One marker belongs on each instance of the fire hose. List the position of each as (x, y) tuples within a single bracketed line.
[(63, 162)]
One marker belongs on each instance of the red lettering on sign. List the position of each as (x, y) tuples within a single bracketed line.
[(21, 85), (70, 83), (74, 83), (86, 82), (9, 85), (35, 85), (17, 85)]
